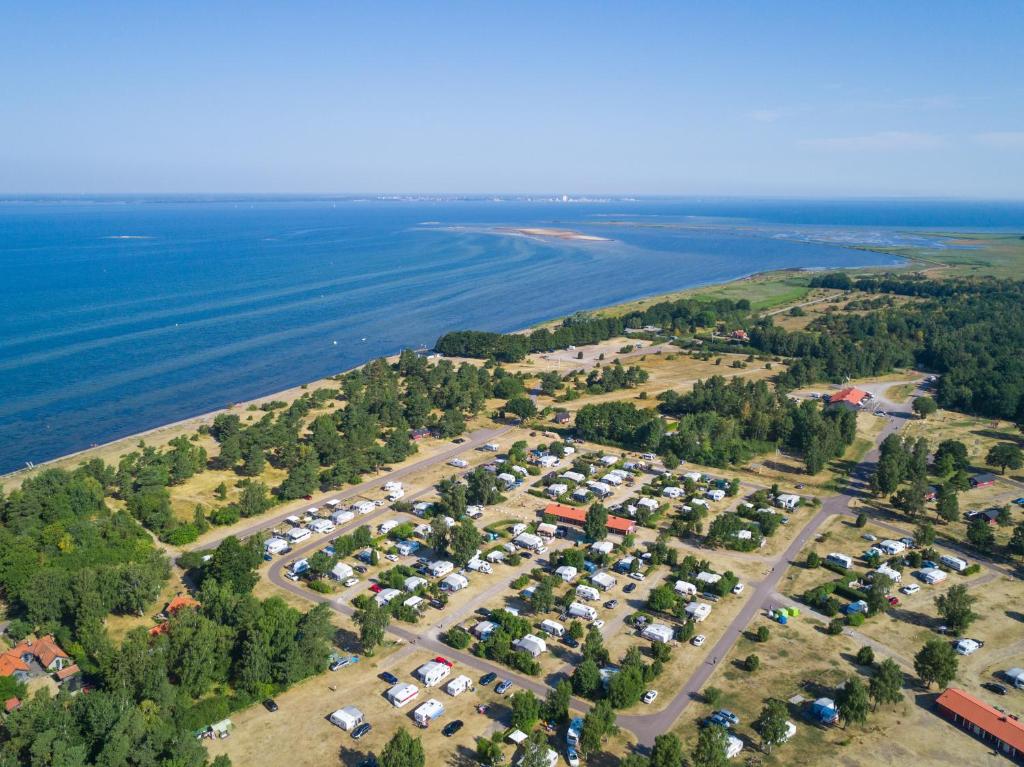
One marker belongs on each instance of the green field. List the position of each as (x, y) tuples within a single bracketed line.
[(971, 254)]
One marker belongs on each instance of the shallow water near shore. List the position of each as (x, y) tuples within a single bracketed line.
[(123, 314)]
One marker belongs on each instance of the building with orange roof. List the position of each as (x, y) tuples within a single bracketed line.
[(11, 704), (180, 601), (11, 664), (45, 651), (576, 516), (997, 729), (851, 397)]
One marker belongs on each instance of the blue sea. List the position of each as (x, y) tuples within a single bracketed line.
[(122, 314)]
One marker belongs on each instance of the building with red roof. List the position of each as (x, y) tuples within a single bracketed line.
[(45, 651), (1004, 733), (11, 704), (850, 397), (576, 516)]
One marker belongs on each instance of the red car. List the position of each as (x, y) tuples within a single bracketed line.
[(893, 601), (376, 588), (308, 497), (445, 661)]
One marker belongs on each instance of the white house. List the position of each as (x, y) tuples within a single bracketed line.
[(428, 712), (953, 563), (602, 547), (413, 582), (733, 746), (648, 503), (787, 501), (693, 476), (573, 476), (554, 628), (842, 560), (532, 644), (698, 611), (548, 461), (600, 489), (297, 534), (566, 572), (612, 479), (440, 568), (520, 470), (716, 494), (578, 610), (341, 571), (388, 526), (603, 580), (475, 511), (391, 486), (406, 548), (547, 529), (581, 493), (496, 556), (401, 694), (416, 603), (672, 491), (454, 582), (685, 588), (528, 541), (363, 507), (556, 489), (384, 596), (892, 547), (507, 479), (341, 516), (932, 575), (432, 672), (458, 685), (658, 632), (347, 718), (275, 546), (894, 575), (708, 578), (484, 629)]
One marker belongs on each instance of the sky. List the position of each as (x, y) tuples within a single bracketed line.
[(676, 98)]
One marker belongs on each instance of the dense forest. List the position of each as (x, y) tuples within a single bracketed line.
[(970, 331), (67, 562), (672, 317)]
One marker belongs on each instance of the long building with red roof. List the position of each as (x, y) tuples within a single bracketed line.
[(576, 516), (850, 397), (1003, 732)]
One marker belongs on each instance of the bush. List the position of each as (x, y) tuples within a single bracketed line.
[(763, 633), (862, 519), (323, 587), (752, 663), (835, 626), (855, 619), (712, 695), (813, 560), (836, 568), (225, 515), (972, 569), (182, 534), (456, 637), (865, 656)]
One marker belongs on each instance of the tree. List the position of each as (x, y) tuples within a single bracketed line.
[(595, 526), (852, 702), (936, 662), (373, 621), (599, 721), (465, 541), (1016, 544), (488, 753), (403, 750), (980, 534), (763, 633), (667, 751), (955, 607), (556, 706), (924, 406), (586, 678), (865, 656), (886, 685), (255, 461), (710, 750), (711, 695), (233, 563), (948, 507), (950, 456), (771, 724), (521, 406), (1005, 455), (525, 710), (535, 750), (813, 559), (751, 663), (924, 534), (543, 597), (861, 519), (593, 647)]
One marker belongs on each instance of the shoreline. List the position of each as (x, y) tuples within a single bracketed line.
[(191, 423)]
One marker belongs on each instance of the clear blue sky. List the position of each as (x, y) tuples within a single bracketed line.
[(781, 98)]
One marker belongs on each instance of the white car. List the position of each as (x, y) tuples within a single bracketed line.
[(737, 589), (650, 696), (912, 588), (391, 557), (637, 576), (598, 624), (870, 537), (698, 641), (350, 582)]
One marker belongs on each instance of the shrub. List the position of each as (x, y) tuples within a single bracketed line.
[(752, 663), (865, 656), (862, 519), (835, 626), (813, 560), (763, 633), (855, 619), (712, 695), (323, 587), (456, 637), (182, 534)]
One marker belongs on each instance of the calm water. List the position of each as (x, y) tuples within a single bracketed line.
[(121, 315)]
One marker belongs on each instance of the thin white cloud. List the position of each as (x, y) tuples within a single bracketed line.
[(1007, 139), (880, 141)]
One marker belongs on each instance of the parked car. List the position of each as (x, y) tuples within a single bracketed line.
[(650, 696), (995, 687), (637, 576), (270, 705), (870, 537), (503, 687), (391, 557), (629, 588), (388, 677), (611, 604), (911, 588), (569, 641), (361, 730), (342, 662), (698, 641), (737, 589), (598, 624), (894, 601), (350, 582), (728, 715), (487, 678), (572, 757), (451, 728)]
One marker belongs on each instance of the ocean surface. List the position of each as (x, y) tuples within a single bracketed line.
[(122, 314)]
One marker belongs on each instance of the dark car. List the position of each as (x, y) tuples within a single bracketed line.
[(995, 687), (388, 677), (458, 440), (370, 761), (451, 728), (570, 641), (486, 679), (361, 730), (611, 604), (629, 588), (270, 705)]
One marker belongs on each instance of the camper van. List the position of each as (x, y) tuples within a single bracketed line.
[(953, 563), (554, 628)]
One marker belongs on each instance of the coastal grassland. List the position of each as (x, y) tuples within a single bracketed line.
[(970, 254)]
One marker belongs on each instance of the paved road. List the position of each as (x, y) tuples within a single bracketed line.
[(473, 441)]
